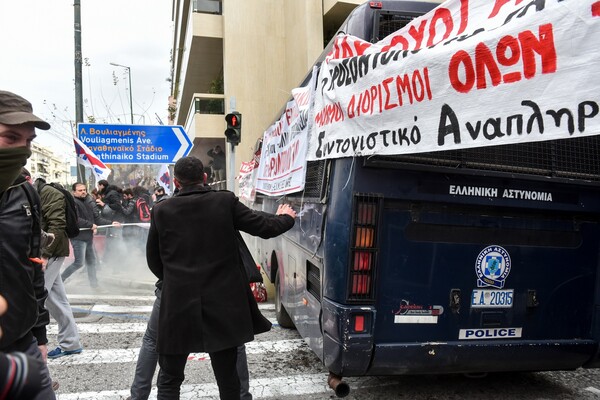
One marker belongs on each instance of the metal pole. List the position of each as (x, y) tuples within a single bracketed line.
[(78, 83), (231, 168), (130, 95)]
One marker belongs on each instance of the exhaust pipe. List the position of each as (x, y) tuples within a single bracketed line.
[(340, 388)]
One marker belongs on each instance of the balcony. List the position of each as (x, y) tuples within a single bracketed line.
[(202, 58), (205, 118)]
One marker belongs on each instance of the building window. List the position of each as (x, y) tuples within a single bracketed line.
[(209, 106), (207, 6)]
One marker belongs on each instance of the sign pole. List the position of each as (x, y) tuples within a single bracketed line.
[(231, 168)]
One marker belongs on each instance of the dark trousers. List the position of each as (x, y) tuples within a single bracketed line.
[(84, 253), (223, 363)]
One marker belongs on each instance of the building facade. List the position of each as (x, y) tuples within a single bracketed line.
[(44, 163), (245, 56)]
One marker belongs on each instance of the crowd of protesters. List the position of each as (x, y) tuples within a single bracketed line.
[(35, 231)]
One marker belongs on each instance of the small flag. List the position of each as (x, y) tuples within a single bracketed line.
[(164, 178), (87, 158)]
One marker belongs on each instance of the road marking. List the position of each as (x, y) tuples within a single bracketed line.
[(105, 356), (107, 308), (109, 297), (90, 328), (110, 309), (293, 385), (124, 327)]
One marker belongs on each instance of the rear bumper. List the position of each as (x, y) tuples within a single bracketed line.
[(461, 357), (347, 353)]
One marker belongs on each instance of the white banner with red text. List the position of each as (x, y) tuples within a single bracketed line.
[(282, 167), (467, 74)]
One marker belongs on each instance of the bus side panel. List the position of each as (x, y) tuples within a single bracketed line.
[(292, 255)]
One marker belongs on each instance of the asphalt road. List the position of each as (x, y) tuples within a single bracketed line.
[(281, 366)]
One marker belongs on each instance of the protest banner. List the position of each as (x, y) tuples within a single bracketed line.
[(467, 74), (282, 167)]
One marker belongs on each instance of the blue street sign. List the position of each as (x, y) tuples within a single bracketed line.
[(136, 144)]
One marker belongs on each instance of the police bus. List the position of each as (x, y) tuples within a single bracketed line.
[(463, 261)]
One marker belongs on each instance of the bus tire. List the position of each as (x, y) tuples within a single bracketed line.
[(283, 318)]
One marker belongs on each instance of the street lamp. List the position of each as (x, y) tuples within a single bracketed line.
[(130, 96)]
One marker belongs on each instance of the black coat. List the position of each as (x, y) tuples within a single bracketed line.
[(193, 248), (21, 281), (85, 217)]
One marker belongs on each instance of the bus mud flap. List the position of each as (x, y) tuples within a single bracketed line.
[(340, 388)]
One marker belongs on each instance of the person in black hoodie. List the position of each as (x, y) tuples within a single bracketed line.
[(83, 244), (22, 282), (111, 209)]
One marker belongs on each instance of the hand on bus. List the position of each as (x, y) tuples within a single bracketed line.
[(286, 209)]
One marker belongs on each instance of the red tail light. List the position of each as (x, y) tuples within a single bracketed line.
[(359, 323), (362, 268), (362, 261), (376, 4)]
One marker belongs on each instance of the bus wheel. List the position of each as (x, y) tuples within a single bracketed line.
[(283, 318)]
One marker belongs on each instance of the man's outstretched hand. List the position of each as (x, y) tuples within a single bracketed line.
[(286, 209)]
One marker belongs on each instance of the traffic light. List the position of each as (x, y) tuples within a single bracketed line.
[(234, 128)]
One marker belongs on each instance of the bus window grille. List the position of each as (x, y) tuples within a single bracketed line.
[(314, 183), (390, 22), (568, 158), (313, 280)]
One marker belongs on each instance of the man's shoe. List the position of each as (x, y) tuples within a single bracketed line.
[(58, 352), (55, 386)]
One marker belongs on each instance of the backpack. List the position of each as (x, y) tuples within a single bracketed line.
[(142, 209), (72, 227)]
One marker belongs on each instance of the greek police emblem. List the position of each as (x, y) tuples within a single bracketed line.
[(492, 267)]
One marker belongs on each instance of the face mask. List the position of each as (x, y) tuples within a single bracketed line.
[(12, 159)]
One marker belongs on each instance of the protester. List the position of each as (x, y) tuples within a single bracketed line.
[(159, 195), (141, 199), (111, 209), (218, 166), (148, 356), (205, 303), (21, 374), (83, 244), (22, 283), (54, 220), (102, 185)]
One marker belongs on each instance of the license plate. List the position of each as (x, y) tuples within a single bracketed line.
[(487, 298)]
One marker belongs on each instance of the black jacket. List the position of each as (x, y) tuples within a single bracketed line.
[(113, 208), (85, 217), (192, 247), (21, 280)]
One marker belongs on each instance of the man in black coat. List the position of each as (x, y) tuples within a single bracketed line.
[(205, 305), (21, 275)]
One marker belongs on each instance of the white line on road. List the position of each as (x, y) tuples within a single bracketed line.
[(105, 356), (89, 328), (110, 309), (52, 329), (107, 308), (108, 297), (263, 388), (262, 306)]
